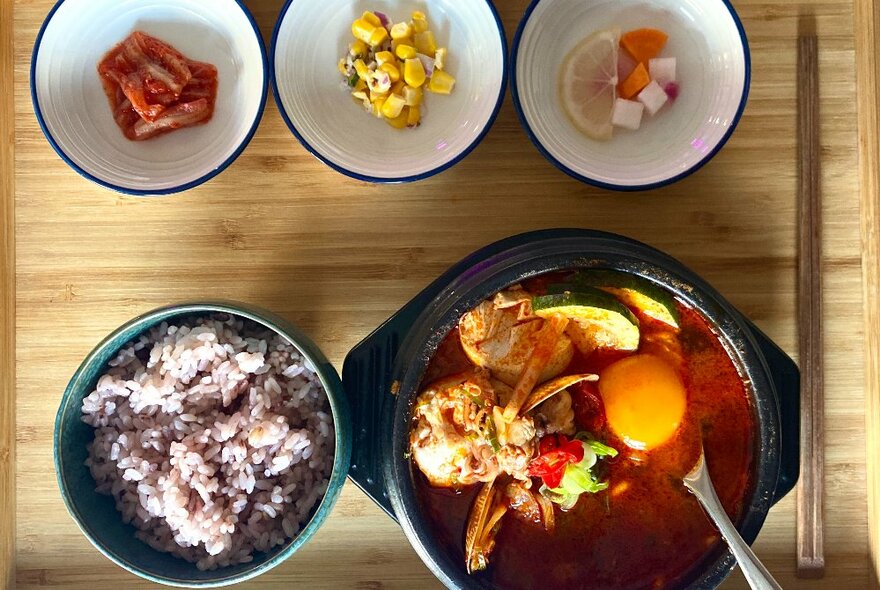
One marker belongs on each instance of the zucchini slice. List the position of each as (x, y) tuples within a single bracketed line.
[(633, 291), (604, 322)]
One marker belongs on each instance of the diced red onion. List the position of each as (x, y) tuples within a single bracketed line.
[(427, 63), (672, 89), (382, 18)]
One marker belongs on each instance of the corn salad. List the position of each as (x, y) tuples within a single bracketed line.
[(389, 66)]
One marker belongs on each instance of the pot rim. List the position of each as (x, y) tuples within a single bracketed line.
[(534, 254)]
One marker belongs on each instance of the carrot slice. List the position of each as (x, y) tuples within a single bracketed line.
[(635, 83), (644, 44)]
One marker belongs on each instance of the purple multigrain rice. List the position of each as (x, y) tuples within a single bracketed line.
[(214, 437)]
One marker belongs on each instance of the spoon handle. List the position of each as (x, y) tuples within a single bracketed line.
[(756, 574)]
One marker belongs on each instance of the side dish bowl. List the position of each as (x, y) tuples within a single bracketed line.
[(709, 42), (76, 117), (382, 377), (309, 39), (96, 515)]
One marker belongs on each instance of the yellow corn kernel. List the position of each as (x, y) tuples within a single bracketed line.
[(412, 96), (419, 22), (377, 107), (395, 43), (441, 83), (359, 48), (362, 30), (391, 70), (372, 19), (360, 85), (401, 31), (383, 57), (398, 87), (425, 43), (414, 117), (405, 51), (393, 106), (440, 58), (378, 36), (361, 68), (414, 72), (400, 121), (360, 95), (341, 66)]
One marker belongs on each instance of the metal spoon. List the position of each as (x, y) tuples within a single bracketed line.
[(700, 485)]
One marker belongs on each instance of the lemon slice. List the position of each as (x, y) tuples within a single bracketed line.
[(588, 83)]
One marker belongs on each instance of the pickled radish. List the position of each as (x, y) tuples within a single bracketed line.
[(662, 69), (653, 97), (625, 65), (627, 114)]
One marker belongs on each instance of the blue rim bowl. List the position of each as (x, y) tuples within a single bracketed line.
[(370, 138), (706, 150), (91, 172), (96, 514)]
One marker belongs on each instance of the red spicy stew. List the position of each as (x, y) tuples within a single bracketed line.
[(645, 530)]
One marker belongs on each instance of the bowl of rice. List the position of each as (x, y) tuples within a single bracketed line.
[(201, 445)]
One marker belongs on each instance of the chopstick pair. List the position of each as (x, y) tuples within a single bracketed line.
[(810, 497)]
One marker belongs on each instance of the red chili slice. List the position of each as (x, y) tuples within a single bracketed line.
[(550, 465), (547, 444)]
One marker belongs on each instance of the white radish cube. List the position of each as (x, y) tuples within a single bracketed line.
[(627, 114), (653, 97), (662, 69)]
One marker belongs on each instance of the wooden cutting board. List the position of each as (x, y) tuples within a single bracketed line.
[(281, 230)]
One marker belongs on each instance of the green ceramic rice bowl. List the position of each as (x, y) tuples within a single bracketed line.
[(97, 515)]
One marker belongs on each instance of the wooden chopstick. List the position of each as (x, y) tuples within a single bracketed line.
[(810, 510)]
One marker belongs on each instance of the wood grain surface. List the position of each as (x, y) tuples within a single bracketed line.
[(867, 13), (337, 257), (7, 302)]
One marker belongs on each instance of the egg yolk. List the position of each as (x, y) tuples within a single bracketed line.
[(644, 400)]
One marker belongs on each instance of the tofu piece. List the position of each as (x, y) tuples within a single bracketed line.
[(653, 97), (662, 69), (627, 114)]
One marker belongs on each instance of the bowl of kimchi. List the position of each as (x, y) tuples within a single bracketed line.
[(152, 97)]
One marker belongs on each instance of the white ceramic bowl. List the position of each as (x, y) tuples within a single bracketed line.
[(311, 36), (712, 53), (75, 115)]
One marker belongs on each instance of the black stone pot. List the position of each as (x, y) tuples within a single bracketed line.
[(382, 375)]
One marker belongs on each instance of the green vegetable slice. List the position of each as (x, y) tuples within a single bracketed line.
[(559, 496), (602, 450), (580, 481), (493, 435), (632, 290), (602, 320)]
